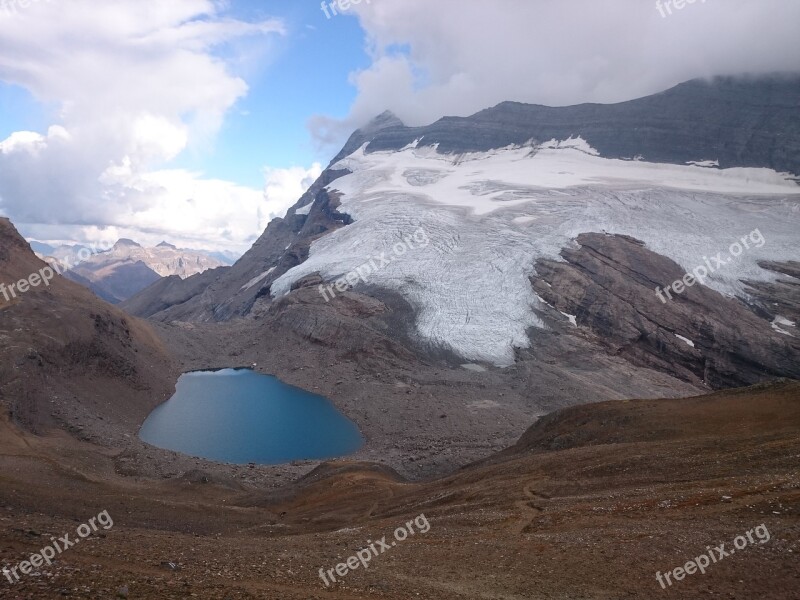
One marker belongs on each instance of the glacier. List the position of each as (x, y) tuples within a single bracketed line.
[(491, 216)]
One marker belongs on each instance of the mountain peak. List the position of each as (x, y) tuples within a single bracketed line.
[(10, 238), (167, 245), (125, 242), (383, 122), (386, 119)]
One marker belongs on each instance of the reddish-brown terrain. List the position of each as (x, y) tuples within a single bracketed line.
[(590, 503)]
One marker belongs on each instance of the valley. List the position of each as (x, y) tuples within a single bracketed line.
[(569, 511), (571, 352)]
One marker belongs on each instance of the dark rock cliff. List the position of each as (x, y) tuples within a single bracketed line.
[(609, 283), (753, 122)]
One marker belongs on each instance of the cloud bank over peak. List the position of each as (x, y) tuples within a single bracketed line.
[(462, 57)]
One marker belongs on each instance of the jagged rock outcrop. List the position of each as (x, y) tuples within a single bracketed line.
[(701, 336), (779, 300), (352, 324)]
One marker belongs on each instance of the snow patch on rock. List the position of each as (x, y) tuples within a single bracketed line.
[(779, 322), (572, 318), (257, 280)]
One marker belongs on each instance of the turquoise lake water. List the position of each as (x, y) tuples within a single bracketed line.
[(240, 416)]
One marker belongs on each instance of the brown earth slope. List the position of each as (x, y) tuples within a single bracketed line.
[(590, 504), (68, 358)]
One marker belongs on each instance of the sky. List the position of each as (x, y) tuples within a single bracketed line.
[(199, 121)]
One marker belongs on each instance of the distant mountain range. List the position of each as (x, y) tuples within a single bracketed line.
[(127, 268)]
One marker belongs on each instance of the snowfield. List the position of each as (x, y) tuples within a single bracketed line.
[(491, 216)]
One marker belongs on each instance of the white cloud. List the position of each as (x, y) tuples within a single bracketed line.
[(450, 57), (285, 186), (186, 209), (135, 82)]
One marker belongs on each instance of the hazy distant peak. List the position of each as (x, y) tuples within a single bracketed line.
[(123, 242), (131, 267)]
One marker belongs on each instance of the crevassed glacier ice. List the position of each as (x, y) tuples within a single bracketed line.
[(491, 216)]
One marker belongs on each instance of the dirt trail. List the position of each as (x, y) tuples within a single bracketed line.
[(531, 507)]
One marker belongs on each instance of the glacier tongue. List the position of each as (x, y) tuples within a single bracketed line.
[(490, 216)]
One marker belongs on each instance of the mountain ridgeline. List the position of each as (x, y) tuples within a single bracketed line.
[(725, 122), (127, 268), (739, 122)]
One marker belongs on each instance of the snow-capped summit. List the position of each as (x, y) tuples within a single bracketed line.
[(509, 208), (509, 201)]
